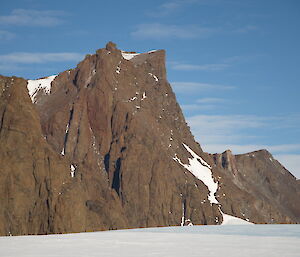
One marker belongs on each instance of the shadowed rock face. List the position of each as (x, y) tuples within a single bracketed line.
[(97, 153)]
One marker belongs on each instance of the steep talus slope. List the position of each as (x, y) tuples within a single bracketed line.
[(108, 147)]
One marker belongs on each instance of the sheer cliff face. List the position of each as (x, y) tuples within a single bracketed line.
[(107, 147)]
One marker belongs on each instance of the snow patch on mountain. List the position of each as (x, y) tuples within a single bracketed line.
[(128, 56), (231, 220), (156, 79), (44, 84), (73, 169), (201, 170)]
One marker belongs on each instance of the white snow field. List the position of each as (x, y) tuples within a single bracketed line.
[(34, 86), (233, 241)]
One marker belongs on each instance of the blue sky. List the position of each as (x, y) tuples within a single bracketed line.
[(234, 65)]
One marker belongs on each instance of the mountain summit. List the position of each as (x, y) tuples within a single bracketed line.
[(106, 146)]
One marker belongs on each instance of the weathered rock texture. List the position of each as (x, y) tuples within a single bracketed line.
[(117, 123), (272, 191)]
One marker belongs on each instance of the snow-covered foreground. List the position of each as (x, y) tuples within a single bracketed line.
[(233, 241)]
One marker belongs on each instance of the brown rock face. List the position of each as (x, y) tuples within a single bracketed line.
[(38, 195), (272, 192), (97, 153)]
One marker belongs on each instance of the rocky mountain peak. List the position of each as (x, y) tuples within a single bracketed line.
[(110, 46), (105, 145)]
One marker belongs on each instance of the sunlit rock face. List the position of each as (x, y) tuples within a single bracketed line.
[(105, 146)]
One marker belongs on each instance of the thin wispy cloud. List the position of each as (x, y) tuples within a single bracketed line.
[(164, 31), (223, 64), (156, 31), (35, 18), (170, 7), (6, 35), (210, 100), (234, 129), (203, 104), (246, 29), (224, 124), (31, 58), (204, 67), (166, 8), (198, 107), (5, 67), (190, 87)]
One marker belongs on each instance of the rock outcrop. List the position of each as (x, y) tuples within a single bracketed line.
[(271, 190), (106, 146)]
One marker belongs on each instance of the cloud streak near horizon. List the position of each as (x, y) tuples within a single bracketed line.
[(228, 129), (6, 35), (208, 103), (204, 67), (190, 87), (159, 31), (170, 7), (165, 31), (30, 58), (33, 18)]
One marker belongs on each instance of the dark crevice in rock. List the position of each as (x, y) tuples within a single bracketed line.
[(78, 133), (224, 162), (33, 172), (2, 119), (111, 122), (69, 125), (49, 218), (106, 162), (204, 220), (75, 79), (116, 178), (93, 206)]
